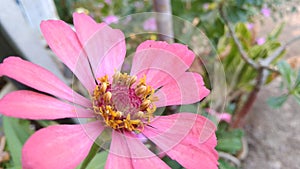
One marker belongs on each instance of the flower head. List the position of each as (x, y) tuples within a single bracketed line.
[(150, 24), (224, 116), (111, 19), (260, 41), (109, 2), (266, 11), (123, 103), (205, 6), (250, 26)]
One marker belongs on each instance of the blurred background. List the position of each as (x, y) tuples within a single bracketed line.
[(266, 135)]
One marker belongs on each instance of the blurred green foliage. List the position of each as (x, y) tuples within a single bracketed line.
[(17, 131), (290, 82), (204, 15)]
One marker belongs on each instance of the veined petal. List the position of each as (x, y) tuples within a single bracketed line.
[(65, 44), (85, 26), (182, 51), (186, 89), (158, 60), (141, 156), (105, 47), (193, 150), (40, 79), (119, 153), (168, 131), (32, 105), (129, 152), (193, 157), (59, 146)]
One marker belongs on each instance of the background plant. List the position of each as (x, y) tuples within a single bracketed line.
[(248, 64)]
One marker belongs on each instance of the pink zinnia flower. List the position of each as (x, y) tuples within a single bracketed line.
[(108, 2), (266, 11), (224, 116), (260, 41), (250, 26), (150, 24), (111, 19), (124, 103), (205, 6)]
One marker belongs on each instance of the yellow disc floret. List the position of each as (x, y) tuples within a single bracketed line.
[(124, 104)]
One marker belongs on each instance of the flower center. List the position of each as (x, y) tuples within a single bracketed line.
[(124, 104)]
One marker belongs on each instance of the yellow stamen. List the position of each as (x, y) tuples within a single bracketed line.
[(105, 104), (107, 97)]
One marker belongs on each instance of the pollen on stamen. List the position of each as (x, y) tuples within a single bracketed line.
[(125, 103)]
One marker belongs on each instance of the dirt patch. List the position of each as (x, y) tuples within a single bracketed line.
[(273, 134)]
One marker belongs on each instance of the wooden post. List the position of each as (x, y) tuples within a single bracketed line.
[(164, 20)]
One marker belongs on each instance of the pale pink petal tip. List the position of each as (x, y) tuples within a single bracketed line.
[(224, 116), (109, 55), (40, 79), (65, 44), (161, 62)]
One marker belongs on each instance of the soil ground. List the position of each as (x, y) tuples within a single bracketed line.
[(274, 134)]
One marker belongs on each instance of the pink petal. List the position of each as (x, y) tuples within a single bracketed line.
[(161, 62), (129, 152), (60, 146), (119, 153), (141, 156), (186, 89), (190, 156), (182, 51), (170, 130), (111, 19), (224, 117), (32, 105), (185, 137), (40, 79), (85, 26), (104, 46), (220, 116), (64, 43)]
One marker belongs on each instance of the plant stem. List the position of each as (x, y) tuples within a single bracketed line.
[(274, 55), (241, 114), (239, 45)]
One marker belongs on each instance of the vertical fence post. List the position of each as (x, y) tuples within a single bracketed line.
[(164, 20)]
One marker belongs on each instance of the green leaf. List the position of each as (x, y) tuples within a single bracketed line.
[(230, 141), (297, 82), (286, 72), (192, 108), (17, 131), (102, 139), (98, 162), (297, 97), (276, 102), (46, 123), (93, 151), (240, 3), (276, 32), (236, 14)]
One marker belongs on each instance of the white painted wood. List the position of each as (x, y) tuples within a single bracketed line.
[(26, 39), (37, 10)]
